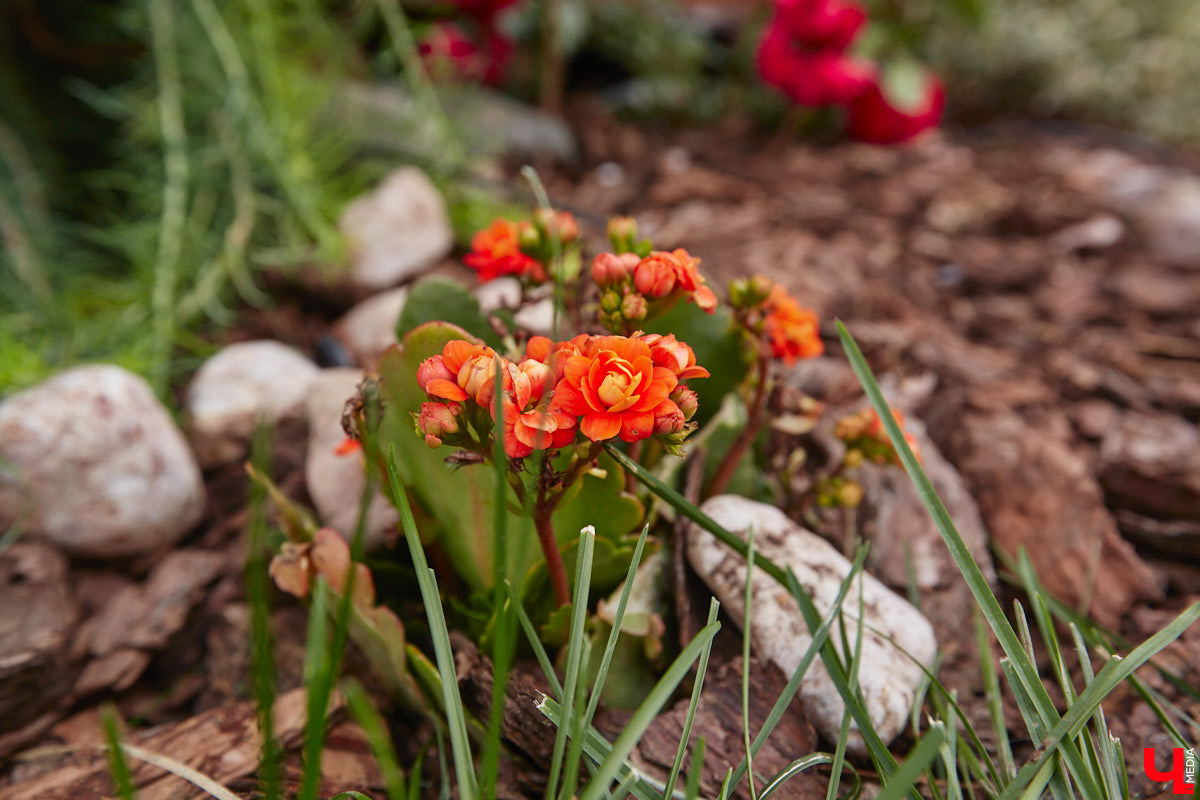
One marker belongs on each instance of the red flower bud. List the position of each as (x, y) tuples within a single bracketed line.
[(668, 419), (686, 400)]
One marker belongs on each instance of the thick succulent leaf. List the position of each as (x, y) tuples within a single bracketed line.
[(439, 299), (460, 500), (718, 347)]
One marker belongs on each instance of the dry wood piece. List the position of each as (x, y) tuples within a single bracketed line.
[(1151, 465), (1036, 490), (718, 721), (34, 673), (223, 744)]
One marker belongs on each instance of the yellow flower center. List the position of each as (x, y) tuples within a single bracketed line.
[(615, 387)]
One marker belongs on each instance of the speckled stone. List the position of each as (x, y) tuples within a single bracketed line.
[(233, 391), (92, 461), (888, 678)]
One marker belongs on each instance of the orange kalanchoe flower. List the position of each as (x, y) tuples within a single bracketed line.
[(496, 251), (661, 273), (864, 432), (677, 356), (791, 330), (615, 388)]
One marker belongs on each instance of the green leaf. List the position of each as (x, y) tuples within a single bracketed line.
[(460, 499), (718, 347), (438, 299), (463, 500), (905, 84)]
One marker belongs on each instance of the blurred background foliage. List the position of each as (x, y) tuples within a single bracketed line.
[(157, 155)]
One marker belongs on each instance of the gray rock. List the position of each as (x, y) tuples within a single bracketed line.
[(335, 482), (370, 327), (888, 678), (242, 385), (397, 230), (94, 463)]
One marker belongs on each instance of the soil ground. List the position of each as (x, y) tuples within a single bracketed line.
[(960, 257)]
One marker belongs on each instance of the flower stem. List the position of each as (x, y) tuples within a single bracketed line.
[(554, 563), (548, 499), (747, 435)]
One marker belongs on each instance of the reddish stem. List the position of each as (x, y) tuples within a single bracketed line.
[(747, 435), (554, 563)]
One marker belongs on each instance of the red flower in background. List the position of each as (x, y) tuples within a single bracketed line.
[(872, 119), (803, 52), (820, 24), (496, 251)]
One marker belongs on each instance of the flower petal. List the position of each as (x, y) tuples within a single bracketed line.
[(447, 390), (600, 426), (635, 427)]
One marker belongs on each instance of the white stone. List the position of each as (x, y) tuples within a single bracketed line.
[(888, 679), (370, 327), (537, 317), (1172, 222), (397, 230), (504, 292), (92, 461), (241, 385), (335, 482)]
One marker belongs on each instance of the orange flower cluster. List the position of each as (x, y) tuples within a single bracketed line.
[(790, 329), (520, 248), (865, 437), (600, 386), (630, 284)]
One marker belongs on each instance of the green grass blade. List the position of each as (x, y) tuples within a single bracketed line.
[(262, 656), (792, 770), (641, 719), (327, 663), (747, 605), (576, 639), (117, 765), (319, 683), (903, 780), (818, 641), (368, 718), (884, 761), (693, 703), (539, 650), (691, 788), (456, 720), (991, 689), (574, 750), (839, 752), (1113, 673), (597, 748), (1023, 667), (504, 623)]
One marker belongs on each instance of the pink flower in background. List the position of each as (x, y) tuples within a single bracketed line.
[(811, 77), (873, 119), (803, 52), (820, 24)]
